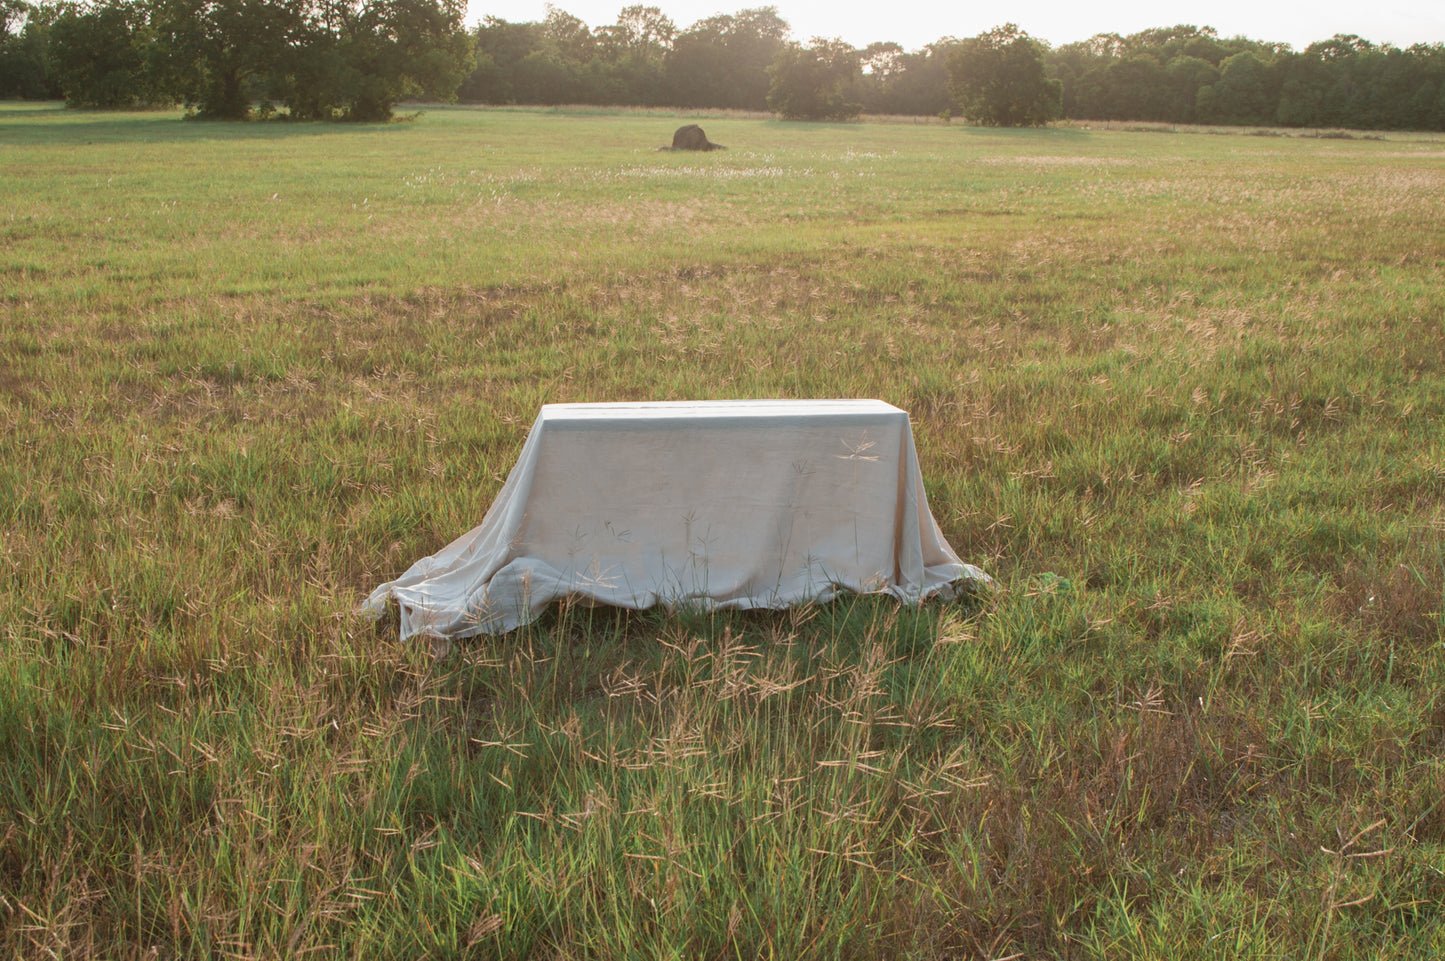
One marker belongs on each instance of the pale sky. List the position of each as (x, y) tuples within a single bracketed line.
[(914, 23)]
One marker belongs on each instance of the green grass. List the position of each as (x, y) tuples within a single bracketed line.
[(1180, 393)]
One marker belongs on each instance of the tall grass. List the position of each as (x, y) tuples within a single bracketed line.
[(1179, 393)]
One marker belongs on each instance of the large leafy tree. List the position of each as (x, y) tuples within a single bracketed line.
[(998, 79), (500, 46), (388, 50), (319, 58), (222, 55), (1137, 88), (1242, 94), (723, 61), (26, 65), (631, 55), (100, 56), (13, 16), (569, 35), (645, 30), (813, 82)]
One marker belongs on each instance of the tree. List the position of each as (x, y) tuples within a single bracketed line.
[(1080, 69), (391, 49), (631, 55), (1186, 76), (723, 61), (546, 77), (1136, 89), (12, 17), (1241, 95), (220, 54), (882, 65), (645, 31), (882, 61), (100, 56), (812, 82), (998, 80), (26, 67), (346, 58), (500, 46), (569, 35)]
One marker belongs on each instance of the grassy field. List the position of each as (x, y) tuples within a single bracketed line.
[(1181, 393)]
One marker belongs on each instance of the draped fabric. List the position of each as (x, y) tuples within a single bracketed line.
[(720, 504)]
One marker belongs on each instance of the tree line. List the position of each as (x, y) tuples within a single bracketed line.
[(310, 59), (1188, 75), (232, 59)]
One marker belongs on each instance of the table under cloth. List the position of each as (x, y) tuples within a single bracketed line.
[(715, 504)]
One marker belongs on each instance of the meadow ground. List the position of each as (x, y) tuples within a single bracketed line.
[(1180, 393)]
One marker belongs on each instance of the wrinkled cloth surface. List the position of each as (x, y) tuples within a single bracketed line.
[(719, 504)]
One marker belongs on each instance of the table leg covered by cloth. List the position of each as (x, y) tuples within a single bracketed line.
[(720, 504)]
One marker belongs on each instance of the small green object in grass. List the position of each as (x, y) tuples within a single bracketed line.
[(1051, 583)]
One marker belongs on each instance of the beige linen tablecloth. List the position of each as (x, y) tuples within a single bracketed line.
[(720, 504)]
